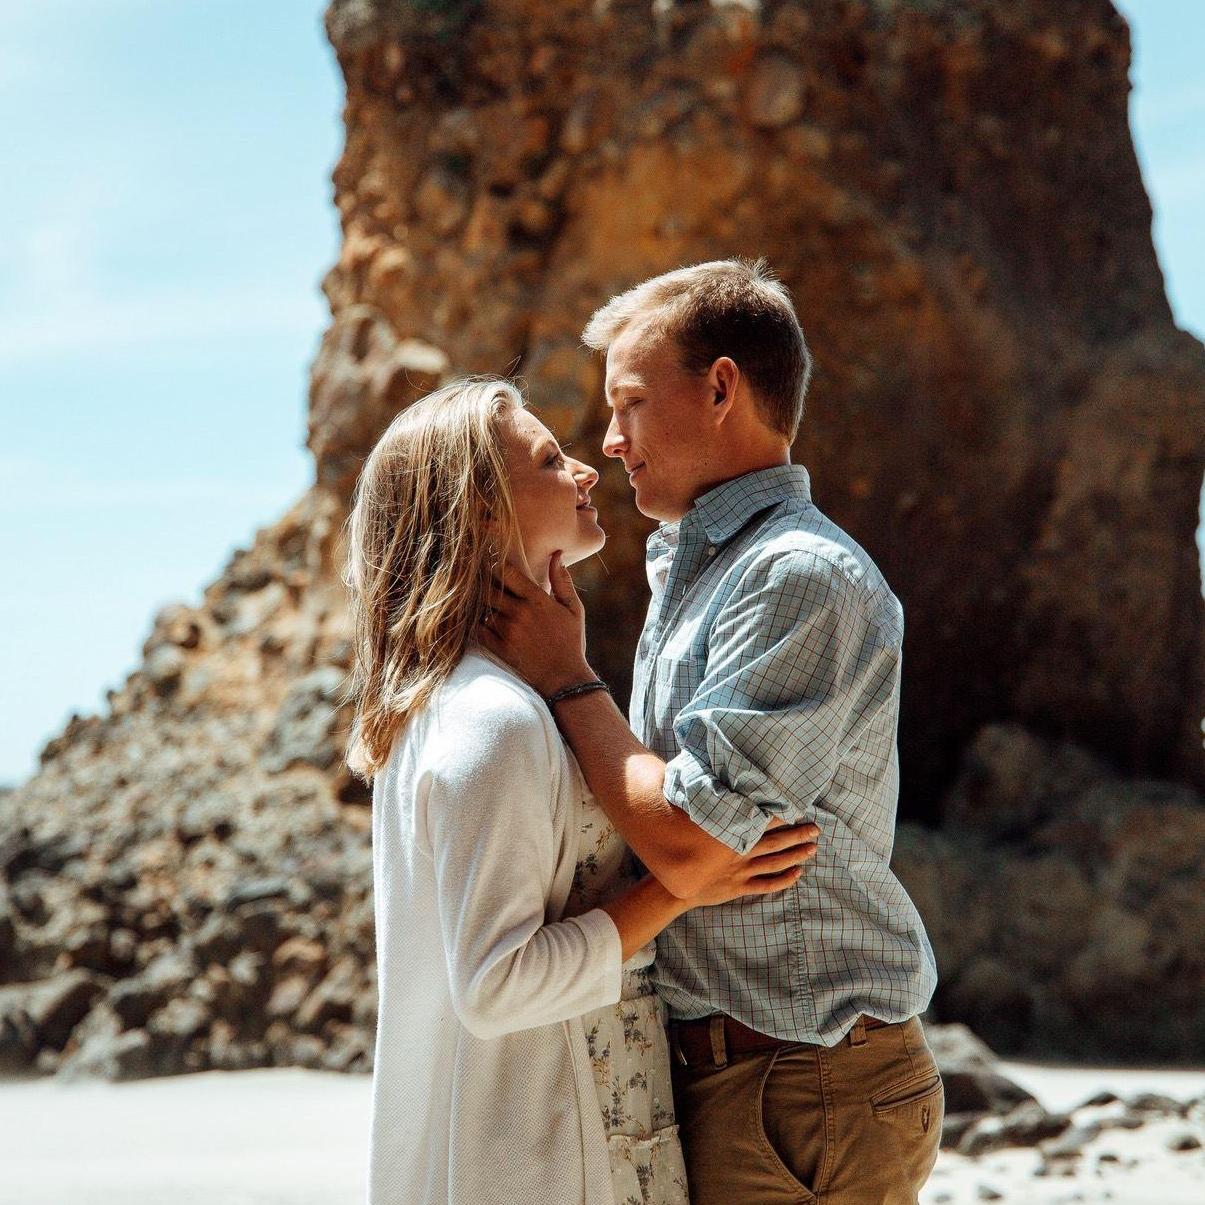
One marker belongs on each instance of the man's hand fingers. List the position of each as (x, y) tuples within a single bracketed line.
[(512, 580), (499, 605), (563, 588)]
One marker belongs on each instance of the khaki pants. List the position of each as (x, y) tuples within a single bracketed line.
[(855, 1124)]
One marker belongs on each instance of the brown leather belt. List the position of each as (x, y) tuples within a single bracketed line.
[(713, 1040)]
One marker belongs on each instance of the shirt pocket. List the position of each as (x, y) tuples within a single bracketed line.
[(676, 679)]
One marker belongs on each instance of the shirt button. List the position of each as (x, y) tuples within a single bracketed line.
[(711, 550)]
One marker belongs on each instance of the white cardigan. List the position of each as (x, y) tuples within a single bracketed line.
[(482, 1089)]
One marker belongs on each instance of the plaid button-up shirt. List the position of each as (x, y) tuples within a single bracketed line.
[(768, 678)]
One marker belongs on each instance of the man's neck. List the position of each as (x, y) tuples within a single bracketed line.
[(771, 459)]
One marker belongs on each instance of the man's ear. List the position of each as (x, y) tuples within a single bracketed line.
[(723, 378)]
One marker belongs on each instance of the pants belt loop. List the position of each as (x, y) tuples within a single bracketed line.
[(857, 1035), (719, 1048)]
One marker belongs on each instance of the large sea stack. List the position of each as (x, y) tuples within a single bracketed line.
[(1003, 413)]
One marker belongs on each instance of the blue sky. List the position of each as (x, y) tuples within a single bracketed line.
[(167, 219)]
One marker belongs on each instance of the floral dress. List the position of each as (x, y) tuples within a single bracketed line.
[(629, 1052)]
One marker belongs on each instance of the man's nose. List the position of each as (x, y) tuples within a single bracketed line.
[(613, 442)]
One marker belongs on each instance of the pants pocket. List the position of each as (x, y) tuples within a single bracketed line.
[(913, 1091), (908, 1117), (796, 1163)]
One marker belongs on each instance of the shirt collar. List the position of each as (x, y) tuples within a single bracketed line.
[(724, 510)]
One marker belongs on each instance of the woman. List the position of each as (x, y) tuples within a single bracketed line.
[(517, 1058)]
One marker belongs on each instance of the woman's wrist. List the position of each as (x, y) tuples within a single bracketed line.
[(666, 898)]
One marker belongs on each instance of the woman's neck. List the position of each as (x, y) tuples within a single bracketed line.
[(539, 570)]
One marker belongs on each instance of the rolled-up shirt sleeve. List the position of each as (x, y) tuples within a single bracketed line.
[(796, 665)]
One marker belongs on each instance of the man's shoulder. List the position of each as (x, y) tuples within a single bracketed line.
[(794, 546)]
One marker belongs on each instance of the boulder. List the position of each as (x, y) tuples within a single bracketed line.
[(1026, 1125), (135, 998), (44, 1013), (123, 1056), (306, 724)]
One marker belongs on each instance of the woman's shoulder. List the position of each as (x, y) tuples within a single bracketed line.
[(482, 683), (485, 704)]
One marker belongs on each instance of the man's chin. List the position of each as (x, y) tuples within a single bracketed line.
[(647, 505)]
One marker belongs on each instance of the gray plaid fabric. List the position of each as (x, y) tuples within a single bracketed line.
[(768, 677)]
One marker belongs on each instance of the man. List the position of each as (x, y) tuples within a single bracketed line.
[(766, 691)]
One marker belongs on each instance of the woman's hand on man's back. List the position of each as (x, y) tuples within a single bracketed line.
[(773, 864)]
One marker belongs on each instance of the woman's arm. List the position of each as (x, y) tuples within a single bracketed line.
[(486, 811), (485, 805), (773, 864)]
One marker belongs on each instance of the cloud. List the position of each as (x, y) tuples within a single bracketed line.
[(52, 258), (55, 300)]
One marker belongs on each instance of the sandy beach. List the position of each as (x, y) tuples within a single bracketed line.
[(294, 1137), (267, 1137)]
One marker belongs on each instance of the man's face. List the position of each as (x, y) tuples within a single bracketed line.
[(660, 425)]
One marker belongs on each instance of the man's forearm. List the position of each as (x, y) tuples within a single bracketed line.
[(628, 781)]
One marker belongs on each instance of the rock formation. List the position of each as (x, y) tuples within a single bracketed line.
[(1063, 902), (1003, 413)]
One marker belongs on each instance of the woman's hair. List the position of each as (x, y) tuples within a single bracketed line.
[(421, 553)]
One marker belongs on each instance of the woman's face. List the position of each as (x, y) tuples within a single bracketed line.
[(551, 494)]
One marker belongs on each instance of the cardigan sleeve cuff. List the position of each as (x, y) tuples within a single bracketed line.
[(606, 947)]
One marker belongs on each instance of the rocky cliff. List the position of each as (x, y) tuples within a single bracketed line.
[(1003, 413), (1003, 410)]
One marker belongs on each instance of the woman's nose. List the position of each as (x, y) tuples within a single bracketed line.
[(584, 475)]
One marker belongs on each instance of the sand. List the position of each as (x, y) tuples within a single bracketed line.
[(293, 1137), (268, 1137)]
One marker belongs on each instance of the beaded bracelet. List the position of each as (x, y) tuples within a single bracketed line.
[(571, 692)]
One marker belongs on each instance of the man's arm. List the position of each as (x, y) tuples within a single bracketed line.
[(544, 638)]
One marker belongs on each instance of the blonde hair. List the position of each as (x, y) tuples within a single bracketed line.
[(726, 307), (421, 553)]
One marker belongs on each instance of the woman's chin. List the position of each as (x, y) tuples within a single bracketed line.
[(587, 544)]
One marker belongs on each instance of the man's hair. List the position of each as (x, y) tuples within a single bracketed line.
[(728, 307)]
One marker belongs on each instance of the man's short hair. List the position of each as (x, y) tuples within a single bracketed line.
[(728, 307)]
